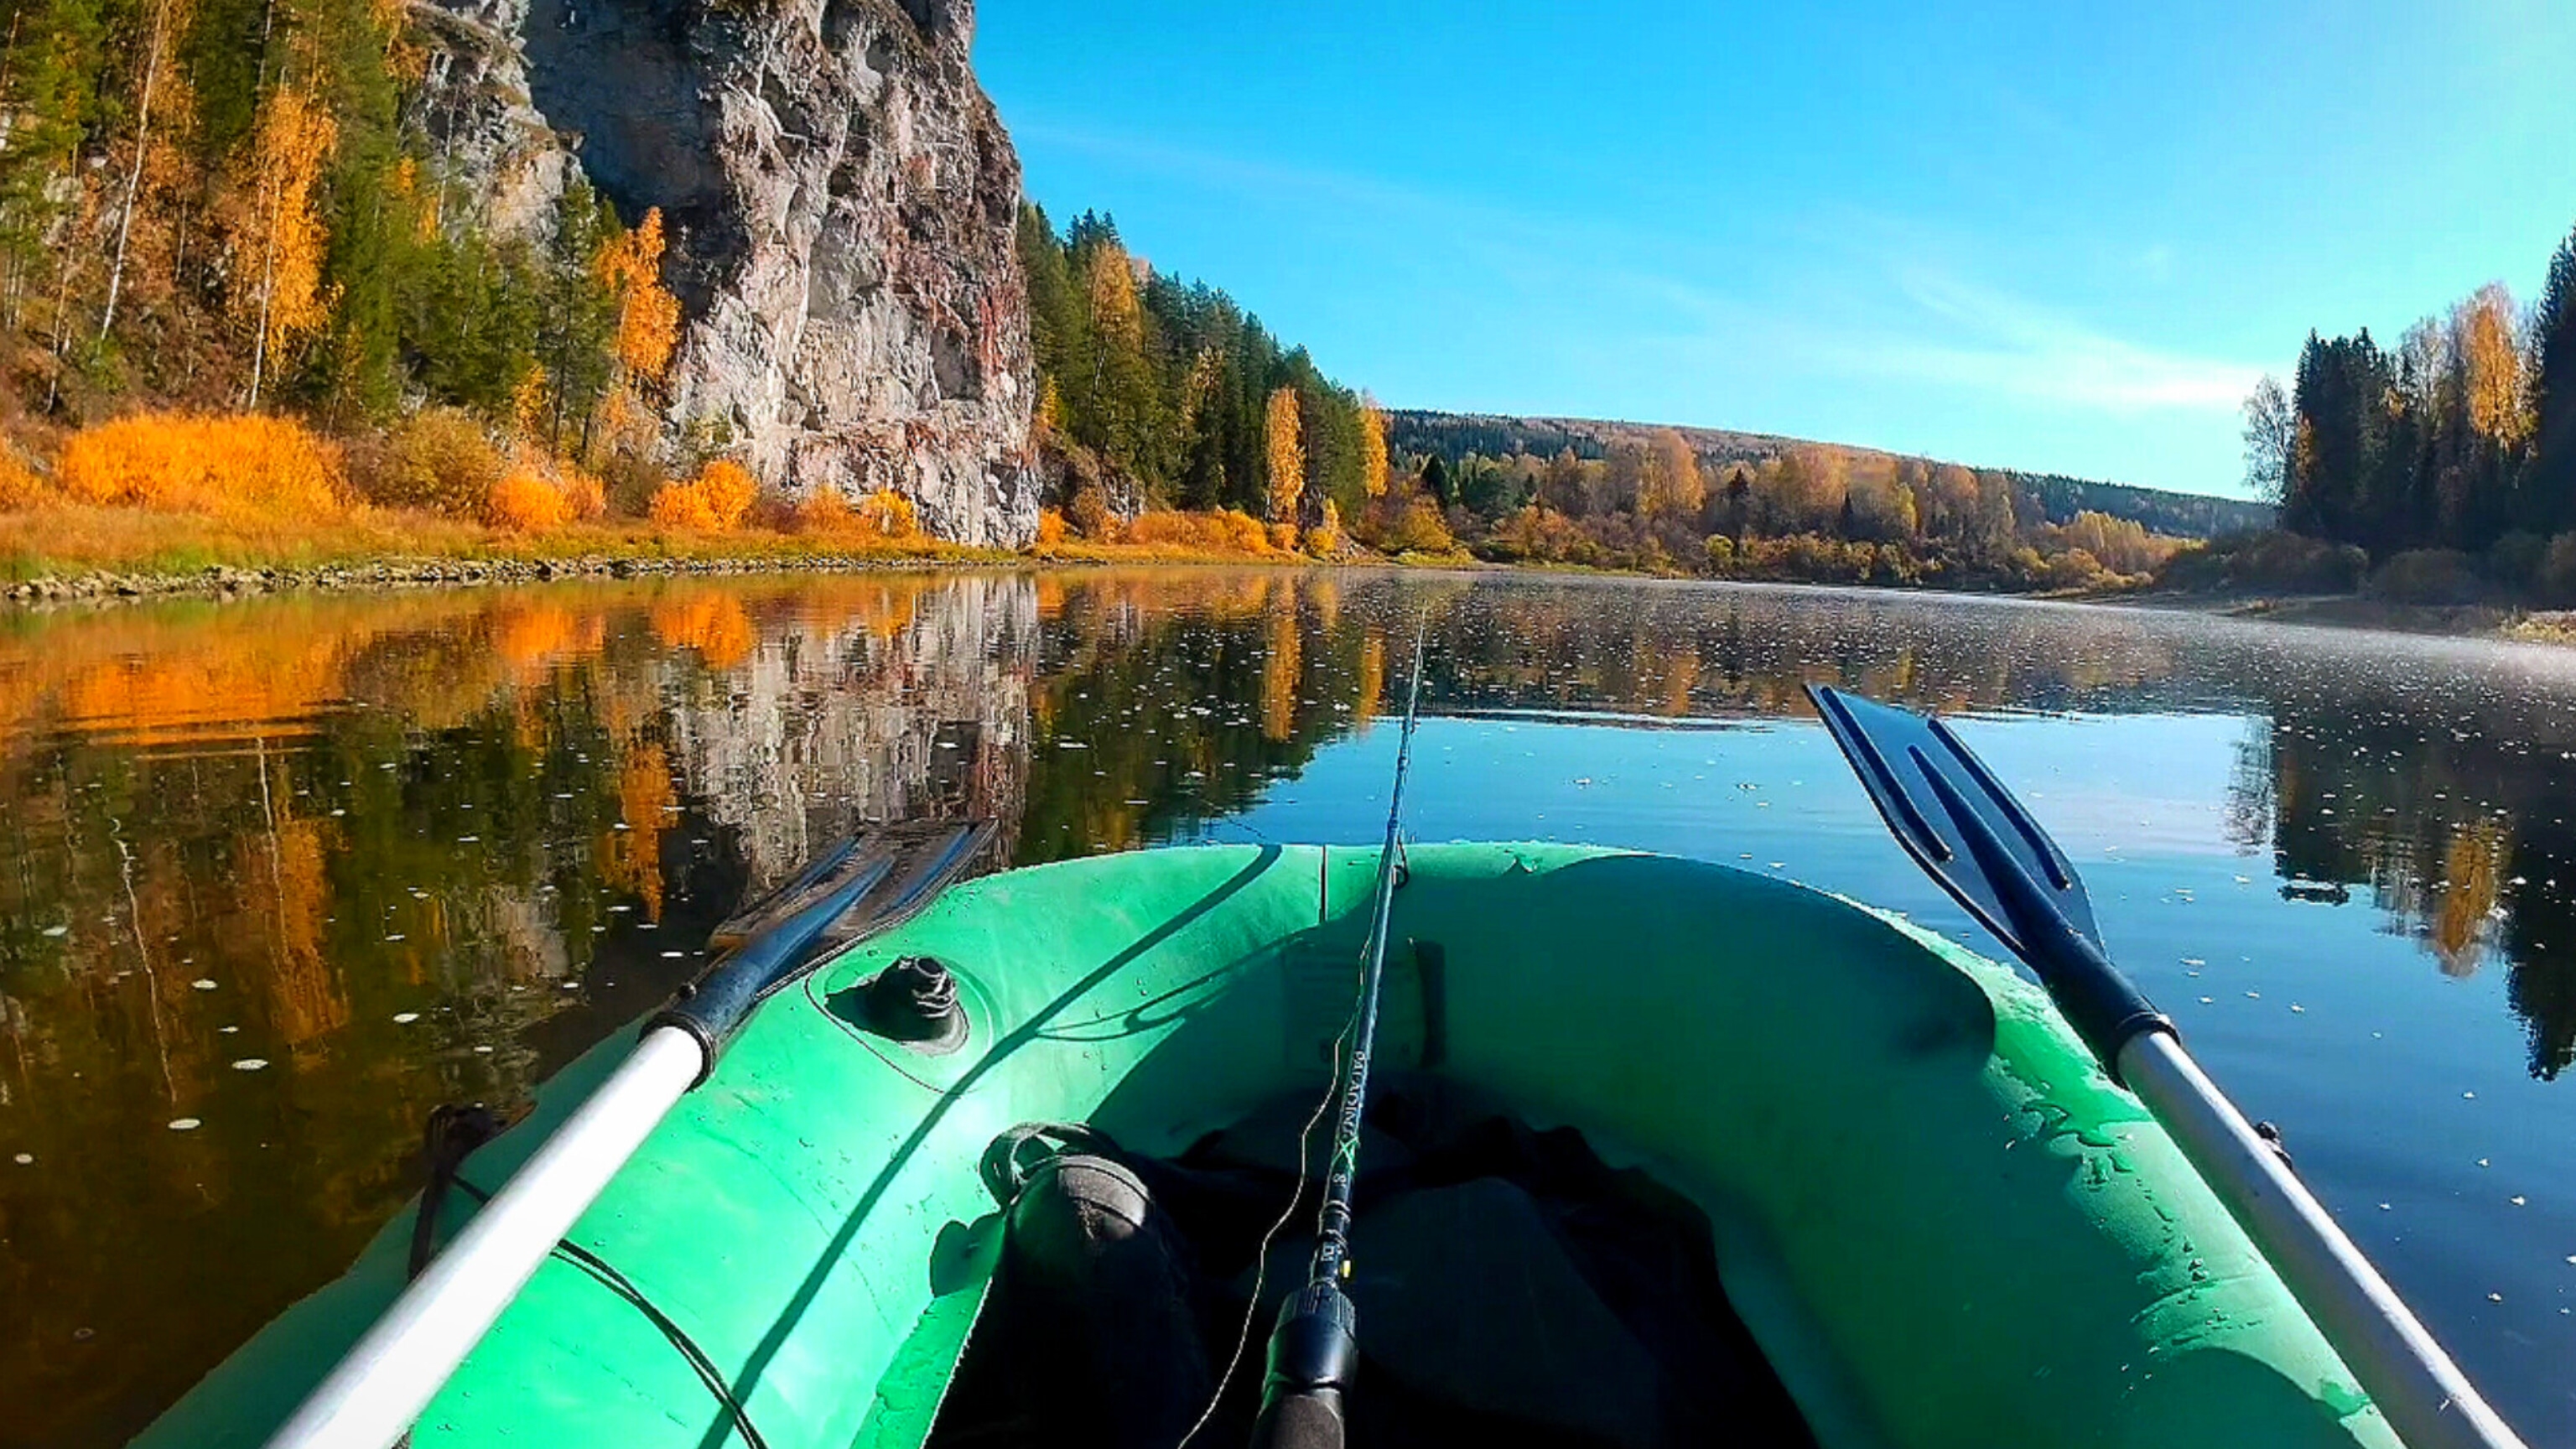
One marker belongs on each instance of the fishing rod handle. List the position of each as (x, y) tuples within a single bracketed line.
[(1314, 1352), (2419, 1390)]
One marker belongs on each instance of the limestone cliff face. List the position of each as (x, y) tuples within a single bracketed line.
[(840, 200)]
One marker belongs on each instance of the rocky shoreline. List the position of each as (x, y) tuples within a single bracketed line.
[(221, 581)]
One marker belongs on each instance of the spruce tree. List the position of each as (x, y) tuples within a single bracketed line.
[(2553, 465)]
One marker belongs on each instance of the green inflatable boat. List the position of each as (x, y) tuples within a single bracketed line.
[(1926, 1215)]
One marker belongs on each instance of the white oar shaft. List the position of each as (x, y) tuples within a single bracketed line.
[(2424, 1396), (392, 1373)]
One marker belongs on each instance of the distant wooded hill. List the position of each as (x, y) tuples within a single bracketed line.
[(1453, 436)]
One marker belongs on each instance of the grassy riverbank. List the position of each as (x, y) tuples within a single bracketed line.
[(62, 551)]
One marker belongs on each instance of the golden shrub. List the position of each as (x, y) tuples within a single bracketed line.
[(242, 466), (680, 505), (825, 510), (1050, 528), (1230, 531), (729, 490), (20, 488), (715, 501), (883, 515), (439, 458), (1326, 539), (527, 500), (1090, 513), (1242, 531), (888, 514), (585, 497)]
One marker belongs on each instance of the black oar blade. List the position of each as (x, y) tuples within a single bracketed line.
[(891, 865), (1952, 815)]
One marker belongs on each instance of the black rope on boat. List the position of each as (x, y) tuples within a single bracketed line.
[(608, 1276)]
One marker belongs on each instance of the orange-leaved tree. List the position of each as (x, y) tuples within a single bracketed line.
[(1286, 455), (648, 330), (282, 241), (1372, 447), (2490, 346)]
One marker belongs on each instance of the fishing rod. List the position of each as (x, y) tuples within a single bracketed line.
[(1315, 1347)]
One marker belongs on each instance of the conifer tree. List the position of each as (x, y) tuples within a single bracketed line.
[(2553, 464)]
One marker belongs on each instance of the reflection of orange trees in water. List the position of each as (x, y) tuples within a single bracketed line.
[(279, 679), (711, 621), (1280, 663), (168, 676), (288, 902), (631, 859), (1372, 691), (1324, 592), (530, 637), (2472, 877), (832, 605), (1680, 672)]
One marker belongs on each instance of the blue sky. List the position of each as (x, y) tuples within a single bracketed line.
[(2052, 236)]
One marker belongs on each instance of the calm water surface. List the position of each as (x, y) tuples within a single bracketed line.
[(276, 878)]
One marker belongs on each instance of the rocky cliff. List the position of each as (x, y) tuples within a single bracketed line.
[(840, 200)]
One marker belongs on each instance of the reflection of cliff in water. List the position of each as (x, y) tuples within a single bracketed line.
[(291, 874), (299, 870)]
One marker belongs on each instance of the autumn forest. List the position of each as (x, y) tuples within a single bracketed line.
[(241, 295)]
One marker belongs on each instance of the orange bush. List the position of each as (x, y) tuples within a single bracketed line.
[(884, 514), (1050, 528), (245, 465), (19, 485), (714, 501), (1230, 531), (824, 510), (527, 500), (888, 514), (438, 458), (585, 496)]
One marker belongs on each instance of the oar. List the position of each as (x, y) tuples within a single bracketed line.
[(868, 884), (1960, 824), (1315, 1348)]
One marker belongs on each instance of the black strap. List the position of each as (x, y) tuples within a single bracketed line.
[(453, 1133), (1012, 1159)]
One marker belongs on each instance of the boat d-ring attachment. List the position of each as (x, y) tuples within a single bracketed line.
[(914, 1001)]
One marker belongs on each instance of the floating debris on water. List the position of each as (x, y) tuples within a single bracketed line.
[(405, 1018), (185, 1124), (203, 984), (250, 1064)]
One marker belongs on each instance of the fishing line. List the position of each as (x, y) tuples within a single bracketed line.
[(1261, 1262), (1391, 865)]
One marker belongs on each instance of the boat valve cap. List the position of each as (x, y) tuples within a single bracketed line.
[(914, 1001)]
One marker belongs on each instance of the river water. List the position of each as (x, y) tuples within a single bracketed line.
[(278, 877)]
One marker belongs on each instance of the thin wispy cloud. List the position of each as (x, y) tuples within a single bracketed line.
[(1900, 320), (1988, 340)]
